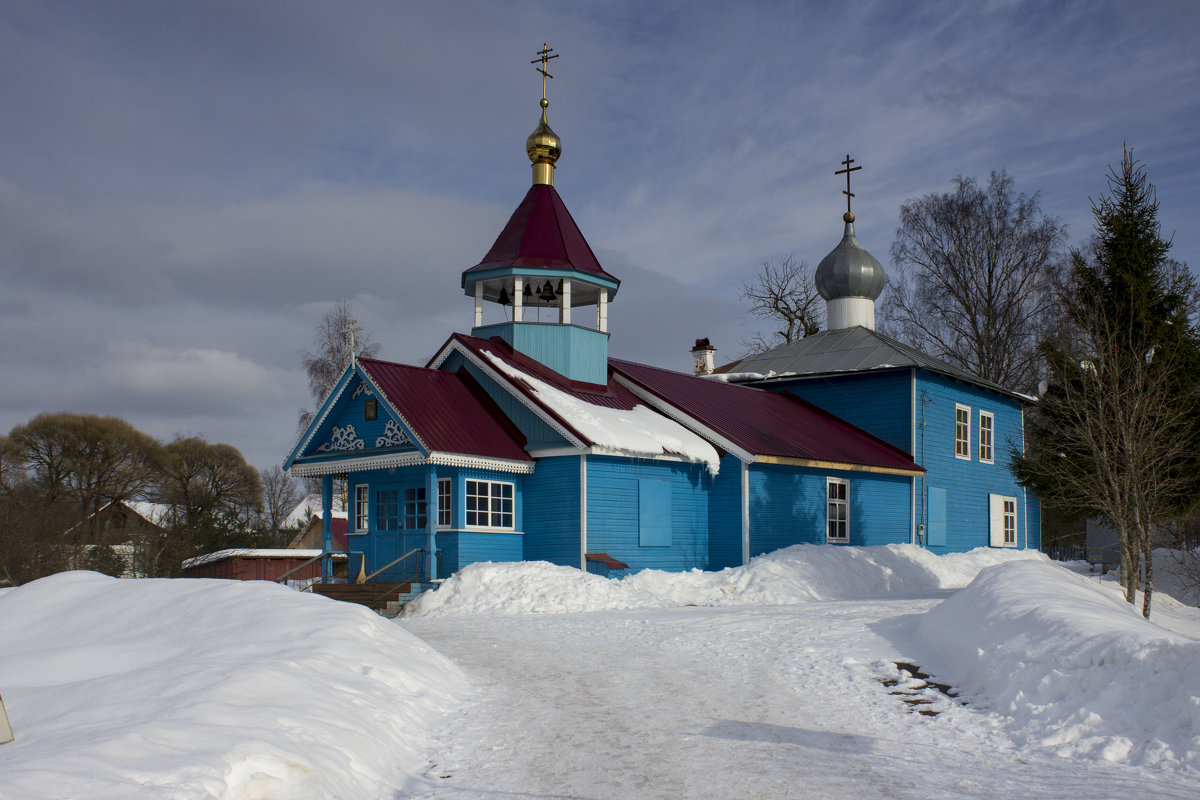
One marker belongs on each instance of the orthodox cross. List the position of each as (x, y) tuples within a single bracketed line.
[(847, 172), (544, 59), (351, 329)]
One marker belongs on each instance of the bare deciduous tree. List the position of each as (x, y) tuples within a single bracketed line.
[(281, 493), (973, 280), (783, 293), (331, 350)]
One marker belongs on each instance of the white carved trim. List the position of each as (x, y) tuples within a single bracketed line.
[(342, 439), (415, 437), (410, 459), (305, 438), (393, 436), (361, 390)]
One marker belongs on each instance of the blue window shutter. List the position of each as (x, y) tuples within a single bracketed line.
[(936, 535), (654, 513)]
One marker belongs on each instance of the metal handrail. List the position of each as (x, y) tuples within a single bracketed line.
[(391, 564), (285, 575)]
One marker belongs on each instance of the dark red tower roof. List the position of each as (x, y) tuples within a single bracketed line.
[(541, 234)]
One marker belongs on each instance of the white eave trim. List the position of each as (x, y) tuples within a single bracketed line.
[(340, 466), (503, 381), (686, 420)]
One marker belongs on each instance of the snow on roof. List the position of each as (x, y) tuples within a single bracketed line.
[(638, 431), (255, 552), (309, 508), (155, 513)]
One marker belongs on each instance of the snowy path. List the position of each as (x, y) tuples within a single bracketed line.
[(727, 703)]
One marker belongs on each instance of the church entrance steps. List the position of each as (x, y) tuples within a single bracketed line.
[(386, 598)]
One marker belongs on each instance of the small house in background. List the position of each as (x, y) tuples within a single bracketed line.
[(297, 567), (524, 440)]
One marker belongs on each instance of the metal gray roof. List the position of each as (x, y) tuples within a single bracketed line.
[(851, 350)]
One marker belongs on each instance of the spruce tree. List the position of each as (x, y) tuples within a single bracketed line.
[(1115, 433)]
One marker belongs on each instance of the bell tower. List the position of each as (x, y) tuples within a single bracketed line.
[(541, 265)]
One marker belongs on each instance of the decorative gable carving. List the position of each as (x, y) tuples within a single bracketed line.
[(393, 436), (362, 389), (342, 439)]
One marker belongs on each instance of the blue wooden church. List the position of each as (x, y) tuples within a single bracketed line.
[(525, 441)]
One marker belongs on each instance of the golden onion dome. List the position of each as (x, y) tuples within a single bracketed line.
[(543, 148)]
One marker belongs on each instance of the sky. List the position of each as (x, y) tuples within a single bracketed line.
[(186, 188)]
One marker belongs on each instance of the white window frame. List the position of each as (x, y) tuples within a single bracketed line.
[(1002, 521), (832, 504), (987, 450), (445, 510), (495, 516), (962, 431), (362, 507)]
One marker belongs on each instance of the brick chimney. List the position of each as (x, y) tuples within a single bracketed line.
[(703, 357)]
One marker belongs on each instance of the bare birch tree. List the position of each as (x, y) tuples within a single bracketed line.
[(973, 277), (330, 355)]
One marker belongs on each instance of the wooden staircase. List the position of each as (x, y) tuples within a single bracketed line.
[(386, 599)]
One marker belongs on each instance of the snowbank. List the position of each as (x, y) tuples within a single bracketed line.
[(1070, 665), (203, 688), (793, 575)]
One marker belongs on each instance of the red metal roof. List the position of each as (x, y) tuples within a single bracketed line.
[(541, 233), (763, 422), (612, 395), (448, 411)]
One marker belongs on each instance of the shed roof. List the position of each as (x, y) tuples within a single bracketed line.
[(766, 423), (448, 411), (854, 349)]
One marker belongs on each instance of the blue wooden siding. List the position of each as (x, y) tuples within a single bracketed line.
[(552, 526), (537, 433), (580, 354), (725, 515), (460, 548), (613, 516), (788, 506), (967, 482), (879, 403)]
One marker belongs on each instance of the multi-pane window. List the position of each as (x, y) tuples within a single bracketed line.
[(361, 504), (962, 431), (415, 518), (838, 510), (444, 503), (489, 504), (1010, 522), (387, 510), (987, 425)]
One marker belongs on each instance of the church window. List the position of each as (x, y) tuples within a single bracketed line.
[(962, 431), (1003, 521), (837, 516), (415, 518), (361, 502), (489, 504), (444, 505), (387, 510), (987, 425)]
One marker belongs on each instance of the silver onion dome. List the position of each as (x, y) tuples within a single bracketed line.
[(849, 270)]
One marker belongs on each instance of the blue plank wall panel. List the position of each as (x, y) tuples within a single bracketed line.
[(552, 524), (537, 432), (613, 515), (579, 353), (725, 516), (967, 482), (879, 403), (787, 506)]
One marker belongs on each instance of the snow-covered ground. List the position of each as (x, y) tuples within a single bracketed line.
[(774, 680)]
